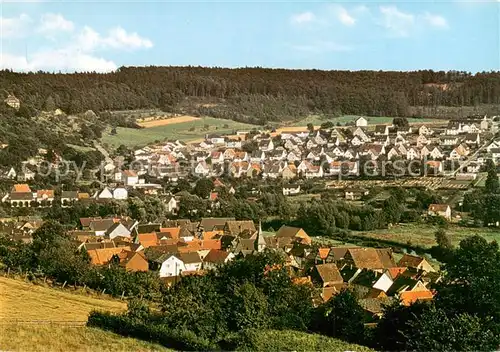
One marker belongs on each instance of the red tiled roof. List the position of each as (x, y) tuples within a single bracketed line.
[(23, 187), (323, 252), (147, 239), (409, 297), (396, 271), (216, 256)]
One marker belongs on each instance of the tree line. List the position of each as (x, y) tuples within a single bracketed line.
[(252, 94)]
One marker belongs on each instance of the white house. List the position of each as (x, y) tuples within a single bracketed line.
[(191, 260), (104, 194), (443, 210), (12, 174), (291, 190), (172, 205), (493, 145), (216, 139), (202, 169), (130, 177), (436, 153), (384, 282), (171, 265), (361, 122), (120, 193), (424, 130), (118, 229), (216, 257)]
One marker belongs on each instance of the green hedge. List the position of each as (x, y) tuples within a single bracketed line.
[(126, 326), (287, 340)]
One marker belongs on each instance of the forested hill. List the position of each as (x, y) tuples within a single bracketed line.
[(253, 94)]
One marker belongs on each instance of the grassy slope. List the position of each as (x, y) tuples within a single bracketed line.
[(25, 301), (20, 301), (55, 338), (287, 340), (180, 131), (423, 234)]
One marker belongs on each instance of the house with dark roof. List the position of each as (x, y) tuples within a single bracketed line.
[(216, 257), (235, 228), (295, 234), (369, 258), (443, 210), (210, 224), (191, 260), (416, 262), (101, 226), (68, 198), (117, 230), (327, 275)]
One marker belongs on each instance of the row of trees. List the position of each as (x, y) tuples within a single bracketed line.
[(253, 94), (484, 204)]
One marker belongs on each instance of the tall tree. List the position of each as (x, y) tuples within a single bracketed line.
[(341, 317), (491, 185), (472, 280), (443, 239), (203, 187)]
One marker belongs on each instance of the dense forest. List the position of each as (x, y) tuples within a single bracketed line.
[(254, 95)]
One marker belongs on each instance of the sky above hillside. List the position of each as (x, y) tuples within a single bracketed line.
[(101, 36)]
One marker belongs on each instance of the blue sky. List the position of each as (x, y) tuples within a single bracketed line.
[(78, 36)]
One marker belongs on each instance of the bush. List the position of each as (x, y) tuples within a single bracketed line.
[(126, 326)]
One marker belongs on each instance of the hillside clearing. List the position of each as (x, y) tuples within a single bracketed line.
[(167, 121), (185, 131)]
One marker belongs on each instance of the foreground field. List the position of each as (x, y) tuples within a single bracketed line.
[(20, 301), (61, 339), (423, 234), (184, 131), (36, 318)]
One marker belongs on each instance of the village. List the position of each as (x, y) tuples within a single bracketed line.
[(351, 161), (175, 247), (180, 248)]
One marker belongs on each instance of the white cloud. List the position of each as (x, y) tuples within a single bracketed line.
[(397, 22), (302, 18), (436, 20), (344, 16), (14, 27), (117, 38), (77, 53), (322, 47), (57, 60), (51, 23)]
